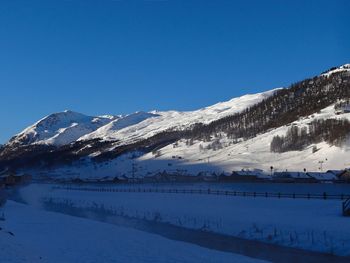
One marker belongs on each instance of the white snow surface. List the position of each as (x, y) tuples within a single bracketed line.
[(316, 225), (343, 68), (176, 119), (255, 153), (41, 236)]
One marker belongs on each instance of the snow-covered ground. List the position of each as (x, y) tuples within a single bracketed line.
[(40, 236), (316, 225)]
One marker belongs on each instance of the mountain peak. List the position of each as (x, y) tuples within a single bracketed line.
[(59, 128)]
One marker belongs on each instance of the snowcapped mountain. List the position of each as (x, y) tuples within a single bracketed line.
[(65, 127), (60, 128), (144, 125), (302, 126)]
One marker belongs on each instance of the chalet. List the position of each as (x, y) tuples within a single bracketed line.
[(245, 175), (283, 177), (335, 172), (116, 180), (185, 178), (322, 177), (159, 177), (208, 177), (292, 177), (344, 176), (77, 181)]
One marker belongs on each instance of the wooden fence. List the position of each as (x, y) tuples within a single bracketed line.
[(324, 195)]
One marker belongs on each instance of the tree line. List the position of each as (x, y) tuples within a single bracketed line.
[(332, 131)]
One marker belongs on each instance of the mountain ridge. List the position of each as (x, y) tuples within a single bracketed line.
[(155, 138)]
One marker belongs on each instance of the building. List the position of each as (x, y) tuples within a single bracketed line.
[(344, 175), (245, 175), (323, 177), (13, 179), (293, 177)]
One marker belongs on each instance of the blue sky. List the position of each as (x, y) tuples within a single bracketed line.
[(117, 57)]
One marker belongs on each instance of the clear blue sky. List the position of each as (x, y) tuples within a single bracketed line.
[(117, 57)]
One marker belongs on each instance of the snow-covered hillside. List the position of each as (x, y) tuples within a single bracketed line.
[(255, 153), (68, 126), (199, 156), (233, 135), (163, 120), (60, 128)]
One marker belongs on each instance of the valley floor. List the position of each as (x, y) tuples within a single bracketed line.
[(40, 236), (299, 225)]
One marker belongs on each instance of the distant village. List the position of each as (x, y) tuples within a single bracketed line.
[(244, 175)]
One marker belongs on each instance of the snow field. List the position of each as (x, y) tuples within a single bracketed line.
[(41, 236), (308, 224)]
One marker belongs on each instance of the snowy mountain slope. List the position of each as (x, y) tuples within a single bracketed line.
[(233, 135), (60, 128), (192, 159), (163, 120), (255, 153), (343, 68), (109, 131), (65, 127)]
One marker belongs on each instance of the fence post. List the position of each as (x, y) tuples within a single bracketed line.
[(325, 195), (279, 195)]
